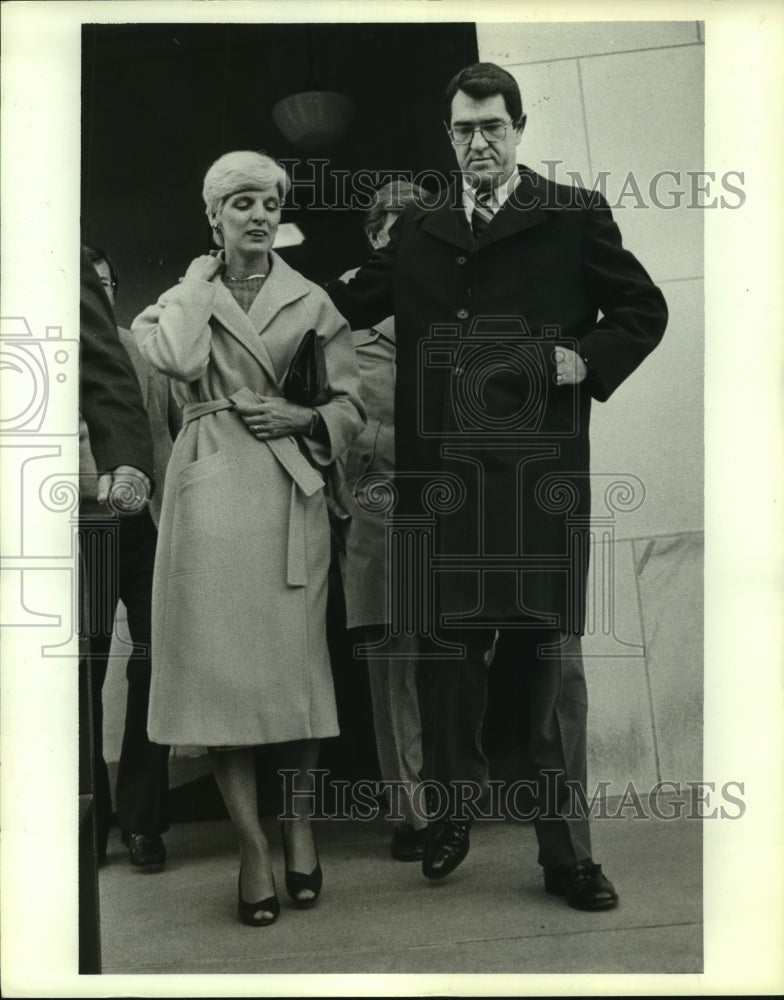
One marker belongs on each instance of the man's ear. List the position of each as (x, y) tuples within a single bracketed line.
[(521, 127)]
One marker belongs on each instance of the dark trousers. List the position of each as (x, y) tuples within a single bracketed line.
[(118, 555), (552, 684), (453, 700)]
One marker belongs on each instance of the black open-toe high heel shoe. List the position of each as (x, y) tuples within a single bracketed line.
[(298, 882), (260, 914)]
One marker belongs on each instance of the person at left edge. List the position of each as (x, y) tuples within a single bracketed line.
[(122, 568), (240, 653), (109, 396), (113, 414)]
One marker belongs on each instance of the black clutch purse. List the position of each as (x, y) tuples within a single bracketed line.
[(306, 380)]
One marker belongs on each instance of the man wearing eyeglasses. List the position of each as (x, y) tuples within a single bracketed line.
[(515, 305)]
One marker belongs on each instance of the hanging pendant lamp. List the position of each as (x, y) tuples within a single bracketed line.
[(313, 119)]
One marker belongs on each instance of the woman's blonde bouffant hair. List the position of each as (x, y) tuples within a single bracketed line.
[(242, 170)]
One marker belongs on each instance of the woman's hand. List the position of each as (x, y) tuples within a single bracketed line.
[(204, 268), (274, 417)]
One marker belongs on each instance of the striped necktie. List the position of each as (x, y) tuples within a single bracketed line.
[(481, 215)]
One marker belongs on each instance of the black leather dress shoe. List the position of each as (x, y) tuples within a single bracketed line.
[(146, 852), (445, 848), (583, 884), (408, 844)]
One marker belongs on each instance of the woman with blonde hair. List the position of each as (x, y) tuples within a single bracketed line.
[(239, 598)]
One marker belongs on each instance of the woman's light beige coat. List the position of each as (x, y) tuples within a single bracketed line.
[(239, 596)]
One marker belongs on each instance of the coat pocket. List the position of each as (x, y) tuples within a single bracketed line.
[(205, 519), (210, 465)]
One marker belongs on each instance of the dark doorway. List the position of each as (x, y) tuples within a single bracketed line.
[(162, 101)]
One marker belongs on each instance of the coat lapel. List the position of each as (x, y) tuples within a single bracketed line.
[(283, 286), (449, 223), (522, 211)]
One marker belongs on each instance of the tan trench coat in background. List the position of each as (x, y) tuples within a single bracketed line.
[(369, 459), (239, 648)]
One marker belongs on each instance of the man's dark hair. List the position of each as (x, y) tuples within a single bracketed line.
[(95, 255), (485, 80), (392, 197)]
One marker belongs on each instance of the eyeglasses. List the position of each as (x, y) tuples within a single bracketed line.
[(461, 135)]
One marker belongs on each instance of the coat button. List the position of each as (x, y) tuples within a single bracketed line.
[(458, 371), (462, 314), (462, 260)]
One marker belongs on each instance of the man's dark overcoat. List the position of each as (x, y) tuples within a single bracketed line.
[(492, 456), (110, 399)]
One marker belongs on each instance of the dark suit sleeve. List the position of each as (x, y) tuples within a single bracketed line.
[(368, 298), (110, 397), (634, 312)]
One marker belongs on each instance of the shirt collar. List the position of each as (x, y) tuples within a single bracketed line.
[(386, 328), (499, 196)]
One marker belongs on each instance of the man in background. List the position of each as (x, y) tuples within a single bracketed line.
[(363, 556)]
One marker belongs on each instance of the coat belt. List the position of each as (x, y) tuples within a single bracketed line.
[(192, 411), (305, 482)]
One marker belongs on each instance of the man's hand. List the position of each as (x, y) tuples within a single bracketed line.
[(274, 417), (124, 489), (569, 366)]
